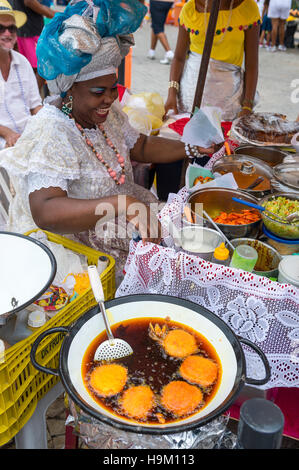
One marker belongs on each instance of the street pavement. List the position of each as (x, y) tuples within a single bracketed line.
[(278, 83)]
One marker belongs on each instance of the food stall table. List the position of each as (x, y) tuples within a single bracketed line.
[(255, 307)]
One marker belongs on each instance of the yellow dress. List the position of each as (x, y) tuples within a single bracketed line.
[(228, 45)]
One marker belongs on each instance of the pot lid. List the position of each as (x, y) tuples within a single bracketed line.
[(244, 164), (28, 268), (288, 174)]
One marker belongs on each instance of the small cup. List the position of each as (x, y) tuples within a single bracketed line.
[(244, 257)]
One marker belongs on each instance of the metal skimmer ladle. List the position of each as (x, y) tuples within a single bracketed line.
[(113, 348)]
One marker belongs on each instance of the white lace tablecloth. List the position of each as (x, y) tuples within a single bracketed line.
[(256, 308)]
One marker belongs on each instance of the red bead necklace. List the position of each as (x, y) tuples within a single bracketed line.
[(112, 173)]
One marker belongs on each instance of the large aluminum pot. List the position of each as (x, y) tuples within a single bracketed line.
[(248, 169), (216, 331), (270, 155), (216, 200)]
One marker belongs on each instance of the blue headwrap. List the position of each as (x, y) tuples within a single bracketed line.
[(111, 18)]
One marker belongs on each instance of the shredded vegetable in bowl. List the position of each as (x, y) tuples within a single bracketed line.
[(282, 206)]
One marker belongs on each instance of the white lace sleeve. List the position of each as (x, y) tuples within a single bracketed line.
[(37, 181)]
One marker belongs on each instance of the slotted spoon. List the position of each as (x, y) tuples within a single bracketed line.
[(113, 348)]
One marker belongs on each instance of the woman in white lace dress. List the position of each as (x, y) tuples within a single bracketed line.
[(73, 159)]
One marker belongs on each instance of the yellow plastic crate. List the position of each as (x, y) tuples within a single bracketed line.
[(21, 384)]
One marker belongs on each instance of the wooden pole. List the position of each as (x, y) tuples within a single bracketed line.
[(203, 69), (206, 55)]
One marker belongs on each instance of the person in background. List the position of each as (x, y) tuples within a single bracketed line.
[(19, 95), (29, 33), (278, 12), (159, 11), (266, 27), (228, 86)]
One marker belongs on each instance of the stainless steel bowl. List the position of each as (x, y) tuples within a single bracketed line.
[(248, 166), (269, 155), (268, 257), (193, 237), (216, 200)]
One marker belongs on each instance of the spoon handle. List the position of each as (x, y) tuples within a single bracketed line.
[(247, 203), (259, 208), (218, 229), (98, 293)]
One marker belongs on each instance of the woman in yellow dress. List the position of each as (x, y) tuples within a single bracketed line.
[(236, 40)]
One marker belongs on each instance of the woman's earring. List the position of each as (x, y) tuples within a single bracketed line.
[(67, 108)]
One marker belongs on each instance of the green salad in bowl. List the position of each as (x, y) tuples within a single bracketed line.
[(282, 205)]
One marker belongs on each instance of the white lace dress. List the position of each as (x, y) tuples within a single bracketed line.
[(52, 153)]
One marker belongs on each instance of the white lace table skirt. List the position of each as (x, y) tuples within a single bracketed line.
[(255, 308)]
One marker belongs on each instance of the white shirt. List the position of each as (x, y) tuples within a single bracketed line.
[(18, 95), (260, 4)]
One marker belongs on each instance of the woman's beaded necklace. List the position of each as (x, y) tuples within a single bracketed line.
[(112, 173), (27, 110)]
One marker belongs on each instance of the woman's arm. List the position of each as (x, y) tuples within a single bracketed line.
[(177, 67), (54, 211), (154, 149), (251, 48), (35, 110), (36, 6)]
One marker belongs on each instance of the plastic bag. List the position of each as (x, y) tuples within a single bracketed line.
[(151, 102), (139, 120), (204, 128), (145, 111)]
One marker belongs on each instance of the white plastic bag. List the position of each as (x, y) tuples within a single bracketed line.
[(204, 128)]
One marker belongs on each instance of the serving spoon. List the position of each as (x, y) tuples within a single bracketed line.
[(290, 218), (113, 348)]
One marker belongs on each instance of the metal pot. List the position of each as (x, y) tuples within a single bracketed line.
[(216, 200), (269, 155), (247, 167), (268, 257), (216, 331)]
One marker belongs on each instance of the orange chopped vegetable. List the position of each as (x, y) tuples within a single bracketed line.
[(108, 379), (246, 216), (136, 402), (181, 398), (199, 370), (179, 343)]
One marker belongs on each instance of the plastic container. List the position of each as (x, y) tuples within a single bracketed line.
[(260, 426), (22, 386), (102, 264), (282, 245), (221, 255), (36, 319), (288, 270), (244, 257)]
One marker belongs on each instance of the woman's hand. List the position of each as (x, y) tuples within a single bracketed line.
[(171, 103), (11, 138), (144, 218), (210, 150)]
